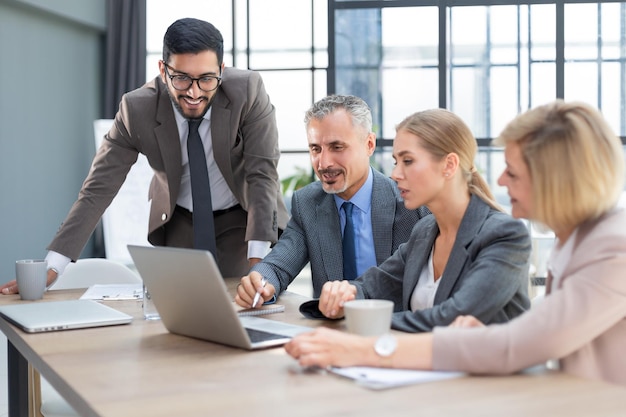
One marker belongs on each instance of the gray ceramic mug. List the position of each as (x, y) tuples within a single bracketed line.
[(31, 276)]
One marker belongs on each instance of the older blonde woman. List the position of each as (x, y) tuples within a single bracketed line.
[(565, 169)]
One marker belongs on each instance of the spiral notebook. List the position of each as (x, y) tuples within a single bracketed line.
[(260, 311)]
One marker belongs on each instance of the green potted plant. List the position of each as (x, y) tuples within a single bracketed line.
[(299, 179)]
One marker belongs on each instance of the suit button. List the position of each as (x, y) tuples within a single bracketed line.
[(164, 216)]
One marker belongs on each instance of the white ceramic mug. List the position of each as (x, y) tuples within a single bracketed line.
[(368, 317), (31, 276)]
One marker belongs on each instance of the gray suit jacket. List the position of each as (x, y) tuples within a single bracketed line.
[(313, 234), (245, 145), (486, 275)]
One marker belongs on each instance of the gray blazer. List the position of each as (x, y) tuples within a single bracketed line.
[(486, 275), (245, 146), (313, 234)]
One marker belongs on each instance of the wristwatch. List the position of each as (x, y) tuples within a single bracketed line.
[(385, 345)]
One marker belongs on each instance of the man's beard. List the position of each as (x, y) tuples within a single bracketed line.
[(334, 191), (180, 108), (330, 189)]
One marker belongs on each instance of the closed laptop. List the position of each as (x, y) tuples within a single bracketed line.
[(62, 315)]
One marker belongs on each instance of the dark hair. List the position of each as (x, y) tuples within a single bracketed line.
[(191, 36)]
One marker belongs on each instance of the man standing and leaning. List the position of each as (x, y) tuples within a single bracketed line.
[(209, 133), (350, 220)]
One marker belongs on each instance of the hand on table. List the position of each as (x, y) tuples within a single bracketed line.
[(332, 297), (11, 286), (466, 321), (325, 347)]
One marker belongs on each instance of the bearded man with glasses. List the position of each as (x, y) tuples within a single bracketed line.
[(235, 120)]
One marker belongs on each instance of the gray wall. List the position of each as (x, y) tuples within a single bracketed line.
[(51, 72)]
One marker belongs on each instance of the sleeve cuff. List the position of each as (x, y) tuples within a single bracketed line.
[(57, 262), (258, 249)]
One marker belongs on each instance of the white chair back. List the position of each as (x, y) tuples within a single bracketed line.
[(89, 271)]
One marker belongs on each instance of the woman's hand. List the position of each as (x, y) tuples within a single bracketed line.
[(466, 321), (332, 297), (324, 347)]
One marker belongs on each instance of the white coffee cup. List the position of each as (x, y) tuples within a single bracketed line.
[(31, 276), (368, 317)]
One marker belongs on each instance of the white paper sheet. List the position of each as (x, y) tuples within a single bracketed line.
[(382, 378)]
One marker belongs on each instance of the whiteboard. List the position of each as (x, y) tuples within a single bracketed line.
[(125, 221)]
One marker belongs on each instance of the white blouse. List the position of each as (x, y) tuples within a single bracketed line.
[(424, 293)]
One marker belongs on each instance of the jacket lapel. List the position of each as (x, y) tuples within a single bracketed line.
[(473, 219), (168, 139), (329, 229), (220, 132), (383, 215), (418, 257)]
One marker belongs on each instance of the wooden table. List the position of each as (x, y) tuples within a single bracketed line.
[(142, 370)]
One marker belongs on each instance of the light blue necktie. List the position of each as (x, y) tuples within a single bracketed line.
[(349, 250), (203, 227)]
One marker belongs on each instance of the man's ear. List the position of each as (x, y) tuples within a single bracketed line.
[(162, 70), (371, 143)]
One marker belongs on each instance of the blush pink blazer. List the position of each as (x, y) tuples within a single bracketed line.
[(582, 322)]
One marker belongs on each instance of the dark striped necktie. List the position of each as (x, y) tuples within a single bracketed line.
[(203, 227)]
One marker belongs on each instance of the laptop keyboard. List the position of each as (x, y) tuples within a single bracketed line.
[(261, 336)]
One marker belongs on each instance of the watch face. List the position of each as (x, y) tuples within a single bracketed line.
[(385, 345)]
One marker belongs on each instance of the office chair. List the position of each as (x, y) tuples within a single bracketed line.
[(46, 401)]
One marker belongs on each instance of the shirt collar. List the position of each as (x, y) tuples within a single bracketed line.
[(363, 197), (181, 121)]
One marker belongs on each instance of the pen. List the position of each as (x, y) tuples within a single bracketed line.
[(258, 293)]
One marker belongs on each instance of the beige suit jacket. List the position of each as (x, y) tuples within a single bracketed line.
[(245, 145), (582, 322)]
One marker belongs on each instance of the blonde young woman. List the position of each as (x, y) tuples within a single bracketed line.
[(564, 169), (467, 258)]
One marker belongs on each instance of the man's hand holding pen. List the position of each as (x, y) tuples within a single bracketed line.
[(253, 290)]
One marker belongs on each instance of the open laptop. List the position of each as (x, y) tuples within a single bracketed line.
[(62, 315), (192, 299)]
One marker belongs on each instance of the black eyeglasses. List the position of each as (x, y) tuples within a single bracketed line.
[(184, 82)]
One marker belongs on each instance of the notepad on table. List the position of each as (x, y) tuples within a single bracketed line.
[(259, 311)]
